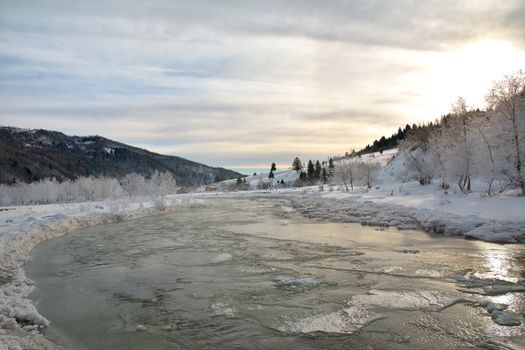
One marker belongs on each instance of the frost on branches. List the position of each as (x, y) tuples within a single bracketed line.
[(89, 189), (466, 145)]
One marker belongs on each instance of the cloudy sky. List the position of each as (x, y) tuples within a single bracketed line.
[(244, 83)]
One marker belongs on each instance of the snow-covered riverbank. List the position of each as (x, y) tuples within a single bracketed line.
[(499, 218)]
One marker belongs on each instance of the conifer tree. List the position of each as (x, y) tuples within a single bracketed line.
[(310, 170), (297, 165), (324, 176), (317, 171)]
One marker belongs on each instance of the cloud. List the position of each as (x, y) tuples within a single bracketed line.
[(223, 81)]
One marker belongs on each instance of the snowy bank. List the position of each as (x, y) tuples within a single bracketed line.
[(21, 228), (412, 206)]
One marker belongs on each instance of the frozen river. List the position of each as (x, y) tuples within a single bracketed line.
[(253, 274)]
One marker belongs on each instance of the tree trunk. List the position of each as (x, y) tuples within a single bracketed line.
[(520, 180)]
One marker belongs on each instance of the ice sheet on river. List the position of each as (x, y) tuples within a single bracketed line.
[(359, 314), (346, 321), (407, 300)]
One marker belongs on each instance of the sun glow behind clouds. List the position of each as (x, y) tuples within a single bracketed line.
[(469, 71)]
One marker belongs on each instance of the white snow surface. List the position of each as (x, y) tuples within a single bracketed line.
[(21, 228), (498, 218), (383, 158)]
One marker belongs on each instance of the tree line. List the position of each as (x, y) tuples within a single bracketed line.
[(48, 191)]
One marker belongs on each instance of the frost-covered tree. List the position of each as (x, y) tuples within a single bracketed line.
[(352, 172), (160, 184), (133, 184), (345, 172), (48, 191), (416, 147), (461, 125), (369, 172), (438, 146), (507, 100), (421, 161)]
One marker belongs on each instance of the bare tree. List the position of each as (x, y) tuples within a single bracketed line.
[(460, 110), (507, 98), (344, 172), (421, 162), (369, 171), (437, 145), (416, 147), (351, 172)]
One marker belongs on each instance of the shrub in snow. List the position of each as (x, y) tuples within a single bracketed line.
[(160, 203)]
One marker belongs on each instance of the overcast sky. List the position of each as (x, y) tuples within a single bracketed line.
[(243, 83)]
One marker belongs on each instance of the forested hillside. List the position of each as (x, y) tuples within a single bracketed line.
[(32, 155)]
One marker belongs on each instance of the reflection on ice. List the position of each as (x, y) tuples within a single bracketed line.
[(421, 299), (499, 265), (346, 321)]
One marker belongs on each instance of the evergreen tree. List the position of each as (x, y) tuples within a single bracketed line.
[(310, 170), (273, 168), (317, 173), (324, 176), (331, 167), (239, 181), (302, 176), (297, 165), (271, 176)]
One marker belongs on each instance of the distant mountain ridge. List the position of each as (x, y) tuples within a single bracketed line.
[(31, 155)]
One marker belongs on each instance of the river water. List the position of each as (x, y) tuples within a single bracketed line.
[(252, 274)]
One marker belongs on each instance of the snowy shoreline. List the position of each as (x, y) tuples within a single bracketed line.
[(498, 219), (23, 228)]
